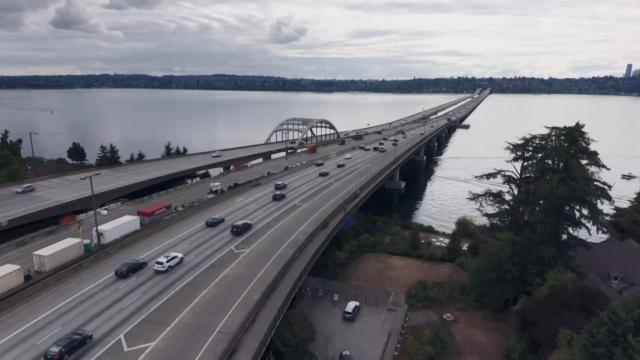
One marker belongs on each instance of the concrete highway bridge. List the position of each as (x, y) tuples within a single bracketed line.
[(66, 194), (226, 299)]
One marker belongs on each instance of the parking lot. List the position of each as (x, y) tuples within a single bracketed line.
[(372, 336)]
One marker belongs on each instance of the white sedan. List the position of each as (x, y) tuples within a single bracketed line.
[(348, 156), (168, 261), (216, 154)]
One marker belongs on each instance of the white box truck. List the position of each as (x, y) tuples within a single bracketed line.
[(10, 277), (54, 255), (117, 228)]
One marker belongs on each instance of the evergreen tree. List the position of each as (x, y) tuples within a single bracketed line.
[(114, 155), (168, 150), (103, 156), (184, 150), (76, 153), (13, 147), (141, 156), (625, 222), (177, 151), (132, 158)]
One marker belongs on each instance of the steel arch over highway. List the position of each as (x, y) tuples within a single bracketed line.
[(307, 130)]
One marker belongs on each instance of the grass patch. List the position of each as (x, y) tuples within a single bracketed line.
[(424, 294)]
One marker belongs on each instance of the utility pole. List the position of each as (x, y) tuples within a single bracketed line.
[(33, 154), (93, 202)]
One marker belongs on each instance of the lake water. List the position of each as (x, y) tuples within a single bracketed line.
[(613, 122), (204, 120), (200, 120)]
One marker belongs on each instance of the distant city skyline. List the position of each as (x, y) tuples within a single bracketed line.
[(361, 39)]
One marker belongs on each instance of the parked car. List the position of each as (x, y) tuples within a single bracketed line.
[(168, 261), (277, 196), (319, 163), (351, 310), (347, 157), (129, 268), (323, 173), (241, 227), (213, 221), (382, 149), (216, 154), (346, 355), (280, 185), (26, 188), (340, 165), (68, 345)]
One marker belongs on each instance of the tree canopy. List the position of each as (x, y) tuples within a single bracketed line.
[(76, 152), (108, 156)]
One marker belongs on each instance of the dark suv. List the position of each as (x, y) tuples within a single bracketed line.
[(214, 221), (129, 268), (241, 227), (68, 345), (277, 196), (280, 185)]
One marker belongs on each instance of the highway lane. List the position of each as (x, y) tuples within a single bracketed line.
[(197, 239), (217, 276), (19, 251), (65, 189)]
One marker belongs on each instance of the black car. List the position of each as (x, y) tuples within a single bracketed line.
[(394, 144), (375, 148), (361, 147), (323, 173), (382, 149), (319, 163), (366, 148), (214, 221), (277, 196), (340, 165), (68, 345), (129, 268), (381, 143), (345, 355), (280, 185), (241, 227)]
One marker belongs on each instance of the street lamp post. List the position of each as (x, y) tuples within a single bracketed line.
[(93, 203), (33, 154)]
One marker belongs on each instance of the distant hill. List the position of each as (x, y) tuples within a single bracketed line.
[(606, 85)]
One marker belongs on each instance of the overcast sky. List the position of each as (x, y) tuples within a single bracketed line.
[(321, 39)]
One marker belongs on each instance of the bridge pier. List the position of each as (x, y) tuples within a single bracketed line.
[(266, 158), (394, 183), (420, 155)]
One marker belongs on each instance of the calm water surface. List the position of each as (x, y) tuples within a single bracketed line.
[(204, 120), (200, 120), (613, 122)]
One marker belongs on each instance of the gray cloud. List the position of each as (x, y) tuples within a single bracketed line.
[(73, 16), (283, 31), (128, 4), (13, 12)]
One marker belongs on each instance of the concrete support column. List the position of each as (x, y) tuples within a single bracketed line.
[(266, 157), (420, 154), (394, 183)]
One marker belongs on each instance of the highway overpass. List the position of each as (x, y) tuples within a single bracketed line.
[(227, 297), (65, 194)]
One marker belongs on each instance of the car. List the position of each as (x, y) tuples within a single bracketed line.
[(345, 355), (68, 345), (319, 163), (394, 144), (129, 268), (216, 154), (26, 188), (277, 196), (362, 146), (213, 221), (347, 157), (382, 149), (395, 140), (386, 138), (351, 310), (381, 143), (404, 136), (375, 148), (280, 185), (168, 261), (366, 148), (323, 173), (340, 165), (241, 227)]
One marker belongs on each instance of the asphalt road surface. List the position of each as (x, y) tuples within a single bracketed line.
[(192, 311)]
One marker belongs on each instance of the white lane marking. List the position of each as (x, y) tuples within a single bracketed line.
[(51, 333), (266, 266), (126, 283), (54, 309), (127, 348), (237, 251), (239, 199), (130, 301)]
